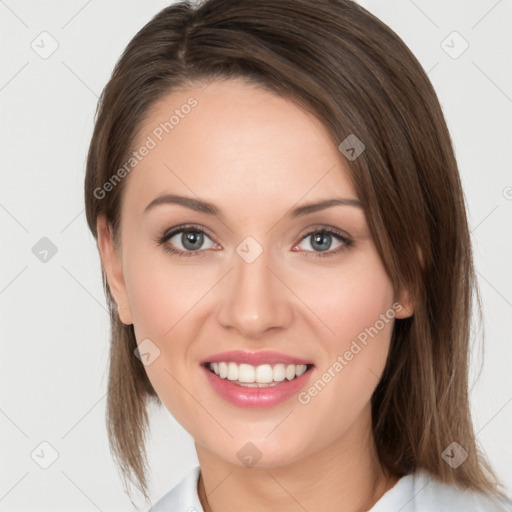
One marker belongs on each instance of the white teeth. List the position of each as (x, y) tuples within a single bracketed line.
[(247, 374), (290, 372), (223, 370), (264, 374), (232, 371)]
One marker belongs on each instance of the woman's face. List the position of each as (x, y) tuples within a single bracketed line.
[(253, 274)]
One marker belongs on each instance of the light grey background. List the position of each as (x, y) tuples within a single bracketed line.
[(54, 326)]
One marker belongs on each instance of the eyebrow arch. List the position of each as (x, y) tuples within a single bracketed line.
[(210, 209)]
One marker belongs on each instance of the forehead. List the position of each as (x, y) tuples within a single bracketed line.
[(234, 142)]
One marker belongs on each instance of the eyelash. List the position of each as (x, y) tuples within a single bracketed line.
[(161, 239)]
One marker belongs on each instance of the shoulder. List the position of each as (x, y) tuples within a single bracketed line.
[(420, 492), (181, 498)]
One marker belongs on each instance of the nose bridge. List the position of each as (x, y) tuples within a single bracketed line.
[(255, 299)]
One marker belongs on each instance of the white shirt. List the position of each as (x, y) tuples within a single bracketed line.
[(417, 492)]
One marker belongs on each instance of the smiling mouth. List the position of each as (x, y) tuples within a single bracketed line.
[(263, 375)]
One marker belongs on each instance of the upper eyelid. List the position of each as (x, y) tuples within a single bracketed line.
[(170, 233)]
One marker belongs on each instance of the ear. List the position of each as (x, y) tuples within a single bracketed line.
[(404, 304), (112, 266)]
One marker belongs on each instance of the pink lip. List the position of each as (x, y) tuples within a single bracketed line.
[(255, 397), (254, 358)]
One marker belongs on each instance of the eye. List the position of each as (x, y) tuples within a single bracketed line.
[(320, 241), (185, 241), (189, 240)]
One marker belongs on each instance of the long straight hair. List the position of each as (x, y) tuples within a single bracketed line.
[(341, 63)]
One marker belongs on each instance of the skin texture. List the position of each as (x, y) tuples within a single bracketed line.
[(256, 156)]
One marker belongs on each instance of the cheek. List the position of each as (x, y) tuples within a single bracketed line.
[(161, 293), (350, 300), (163, 299), (361, 300), (357, 308)]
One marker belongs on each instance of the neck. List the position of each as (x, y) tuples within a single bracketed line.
[(343, 472)]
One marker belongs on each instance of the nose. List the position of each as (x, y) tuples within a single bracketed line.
[(254, 298)]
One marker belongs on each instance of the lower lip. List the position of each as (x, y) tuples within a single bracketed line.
[(255, 397)]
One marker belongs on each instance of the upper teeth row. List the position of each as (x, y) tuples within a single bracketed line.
[(262, 374)]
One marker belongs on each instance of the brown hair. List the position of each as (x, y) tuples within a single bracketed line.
[(338, 61)]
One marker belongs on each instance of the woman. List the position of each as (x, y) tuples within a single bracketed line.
[(287, 261)]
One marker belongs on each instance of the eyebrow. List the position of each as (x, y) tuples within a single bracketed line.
[(210, 209)]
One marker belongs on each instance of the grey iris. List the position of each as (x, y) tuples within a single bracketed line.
[(192, 240), (321, 241)]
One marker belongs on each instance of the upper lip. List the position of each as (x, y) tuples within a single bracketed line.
[(254, 358)]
